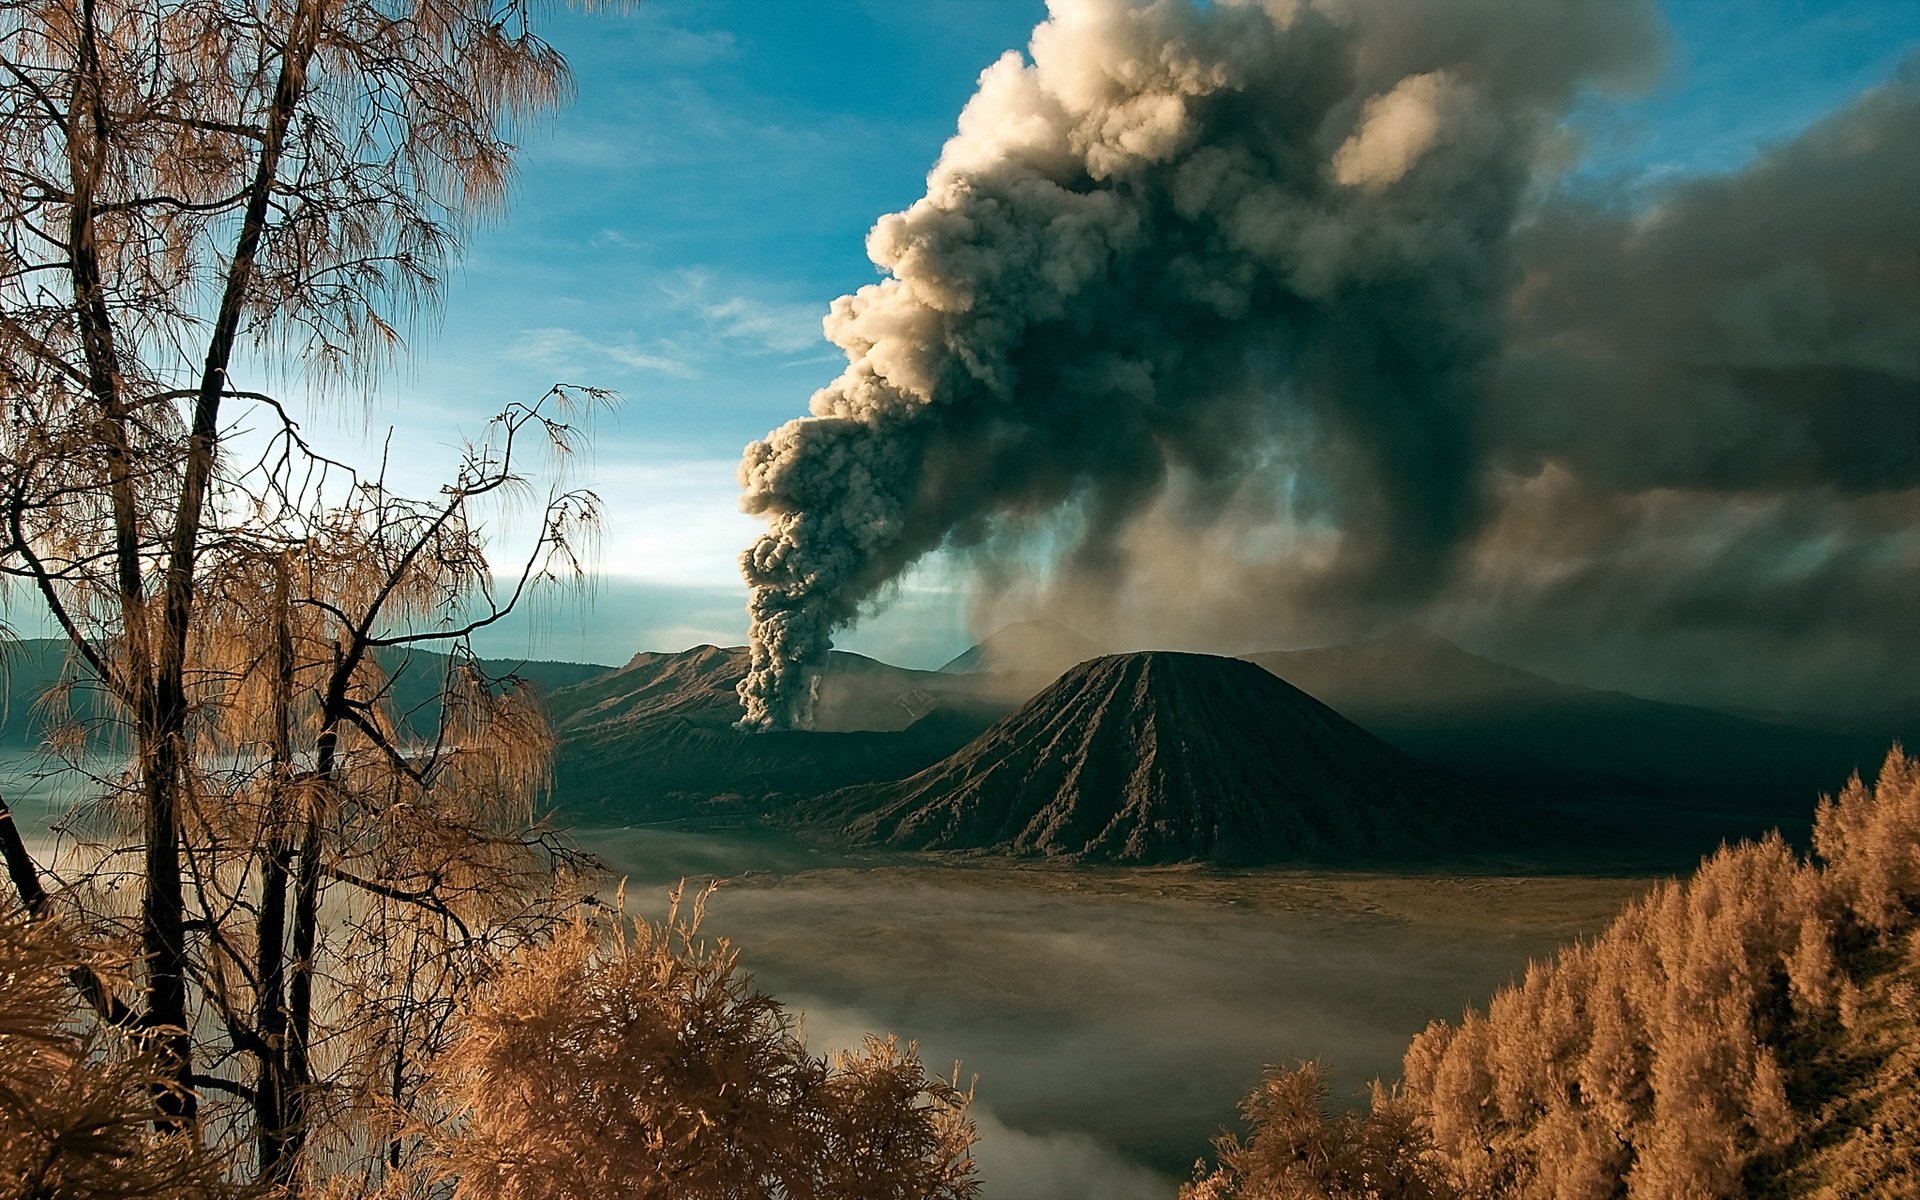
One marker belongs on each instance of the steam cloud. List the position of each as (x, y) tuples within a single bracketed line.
[(1180, 242)]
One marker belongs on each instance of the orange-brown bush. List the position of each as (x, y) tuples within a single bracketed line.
[(637, 1061), (1296, 1150), (1712, 1042), (76, 1107)]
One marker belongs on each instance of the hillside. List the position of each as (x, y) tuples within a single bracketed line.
[(33, 665), (1436, 701), (1162, 757), (1748, 1032), (655, 740)]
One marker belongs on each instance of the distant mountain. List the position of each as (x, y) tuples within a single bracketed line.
[(1432, 699), (861, 693), (655, 739), (1883, 723), (1161, 757), (418, 675), (1026, 647), (33, 666), (855, 693), (693, 683)]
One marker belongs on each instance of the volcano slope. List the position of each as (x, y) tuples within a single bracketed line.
[(654, 740), (1160, 758)]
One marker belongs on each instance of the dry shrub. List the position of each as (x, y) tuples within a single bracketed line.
[(1870, 841), (76, 1107), (1297, 1150), (637, 1061), (1692, 1050)]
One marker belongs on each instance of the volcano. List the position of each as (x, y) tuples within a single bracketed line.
[(1162, 757), (655, 739)]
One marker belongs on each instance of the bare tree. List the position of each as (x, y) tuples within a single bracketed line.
[(193, 191), (214, 214)]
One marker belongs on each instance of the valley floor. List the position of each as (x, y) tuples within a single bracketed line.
[(1114, 1016)]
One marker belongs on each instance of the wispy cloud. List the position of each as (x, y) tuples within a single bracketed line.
[(569, 348), (734, 313), (689, 47), (788, 328), (615, 238)]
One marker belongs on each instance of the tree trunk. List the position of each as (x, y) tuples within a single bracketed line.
[(20, 865), (162, 909), (163, 913), (271, 1115)]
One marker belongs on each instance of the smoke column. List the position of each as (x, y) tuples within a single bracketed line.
[(1165, 239)]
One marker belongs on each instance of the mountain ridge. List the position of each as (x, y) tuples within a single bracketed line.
[(1025, 647), (1435, 700)]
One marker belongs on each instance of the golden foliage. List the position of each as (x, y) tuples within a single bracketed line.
[(1724, 1033), (636, 1061), (1297, 1150), (76, 1107), (1870, 841)]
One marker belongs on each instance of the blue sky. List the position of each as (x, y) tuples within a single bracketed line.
[(678, 231)]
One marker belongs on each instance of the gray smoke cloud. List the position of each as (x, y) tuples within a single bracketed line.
[(1173, 243), (1756, 332), (1701, 439)]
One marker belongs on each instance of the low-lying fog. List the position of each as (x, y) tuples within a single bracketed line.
[(1114, 1018)]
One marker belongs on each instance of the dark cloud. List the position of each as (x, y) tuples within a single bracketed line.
[(1264, 325), (1783, 600), (1713, 409), (1168, 233), (1753, 332)]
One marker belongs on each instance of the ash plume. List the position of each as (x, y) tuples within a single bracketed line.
[(1702, 455), (1166, 242)]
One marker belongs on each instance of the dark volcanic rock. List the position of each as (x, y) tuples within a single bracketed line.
[(1162, 757)]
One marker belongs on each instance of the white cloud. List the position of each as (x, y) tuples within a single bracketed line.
[(691, 47), (614, 237), (787, 328), (741, 314), (569, 349), (678, 522)]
